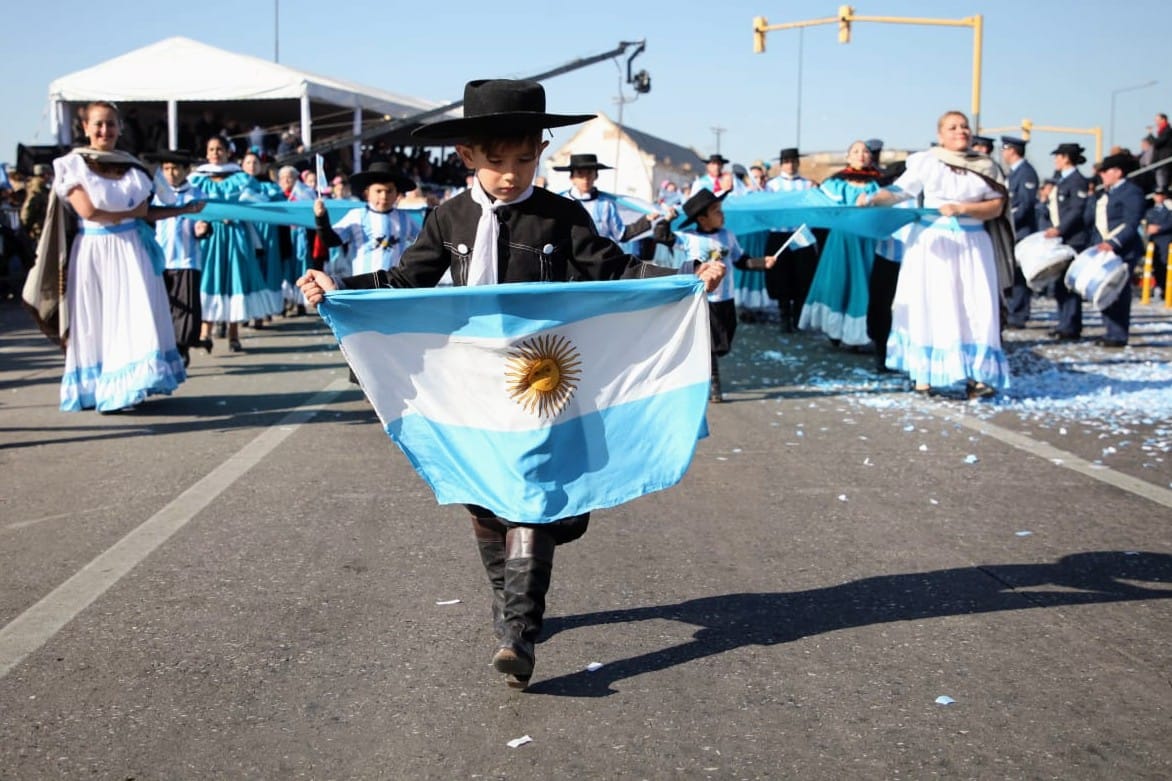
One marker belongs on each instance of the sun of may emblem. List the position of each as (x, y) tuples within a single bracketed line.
[(542, 374)]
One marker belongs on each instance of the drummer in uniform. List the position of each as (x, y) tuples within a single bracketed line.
[(1158, 221), (1118, 212), (1022, 183), (1068, 220)]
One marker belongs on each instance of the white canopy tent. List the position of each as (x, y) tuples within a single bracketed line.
[(180, 70)]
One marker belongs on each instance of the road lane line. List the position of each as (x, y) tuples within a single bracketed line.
[(1062, 458), (36, 625)]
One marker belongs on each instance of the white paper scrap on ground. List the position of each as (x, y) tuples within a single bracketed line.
[(521, 741), (1023, 533), (971, 459), (448, 602), (842, 497), (944, 699), (593, 666)]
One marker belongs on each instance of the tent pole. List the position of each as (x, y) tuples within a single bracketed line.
[(172, 124), (357, 148), (306, 120)]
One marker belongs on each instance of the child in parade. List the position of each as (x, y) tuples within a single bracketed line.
[(712, 242), (377, 233), (182, 253), (505, 230)]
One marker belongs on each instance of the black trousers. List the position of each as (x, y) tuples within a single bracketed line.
[(884, 278), (788, 282)]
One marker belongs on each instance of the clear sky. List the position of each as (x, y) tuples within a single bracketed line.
[(1057, 62)]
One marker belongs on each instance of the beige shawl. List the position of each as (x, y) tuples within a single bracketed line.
[(1000, 229)]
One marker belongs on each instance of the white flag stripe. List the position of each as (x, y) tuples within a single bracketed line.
[(627, 356)]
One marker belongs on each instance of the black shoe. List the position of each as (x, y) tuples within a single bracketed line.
[(1014, 326), (1063, 336), (715, 395), (1112, 344), (235, 346), (205, 344)]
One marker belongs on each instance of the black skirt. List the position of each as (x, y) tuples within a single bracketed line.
[(186, 311), (722, 324)]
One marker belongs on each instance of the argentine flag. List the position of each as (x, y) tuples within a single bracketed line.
[(538, 401)]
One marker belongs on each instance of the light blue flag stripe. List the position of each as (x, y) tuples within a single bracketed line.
[(547, 474), (759, 211), (481, 311), (599, 454)]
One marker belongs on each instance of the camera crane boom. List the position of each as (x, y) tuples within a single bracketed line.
[(392, 125)]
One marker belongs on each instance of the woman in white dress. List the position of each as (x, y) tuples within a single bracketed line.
[(947, 309), (120, 346)]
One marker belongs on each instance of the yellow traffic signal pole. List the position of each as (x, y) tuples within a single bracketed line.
[(847, 15), (1028, 127)]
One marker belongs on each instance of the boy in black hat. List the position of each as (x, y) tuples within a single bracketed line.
[(788, 282), (601, 206), (181, 250), (716, 179), (713, 242), (376, 234), (505, 230), (1068, 220)]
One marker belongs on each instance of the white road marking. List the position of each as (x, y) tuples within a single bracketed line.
[(33, 628), (1062, 458)]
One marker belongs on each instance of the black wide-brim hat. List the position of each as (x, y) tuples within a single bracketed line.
[(1072, 151), (1125, 163), (699, 203), (717, 159), (381, 173), (177, 156), (789, 153), (499, 107), (583, 162)]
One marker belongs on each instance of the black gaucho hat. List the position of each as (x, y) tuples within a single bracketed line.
[(984, 141), (1073, 151), (177, 156), (789, 153), (587, 162), (699, 203), (1124, 162), (499, 107), (717, 158), (381, 173)]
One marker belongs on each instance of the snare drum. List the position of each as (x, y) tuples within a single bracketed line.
[(1099, 277), (1042, 260)]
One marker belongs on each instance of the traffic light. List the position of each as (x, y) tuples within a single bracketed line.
[(1027, 125), (759, 25), (845, 14)]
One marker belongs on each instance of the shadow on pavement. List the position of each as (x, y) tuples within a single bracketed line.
[(733, 621), (198, 414)]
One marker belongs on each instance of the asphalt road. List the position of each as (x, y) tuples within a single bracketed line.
[(242, 581)]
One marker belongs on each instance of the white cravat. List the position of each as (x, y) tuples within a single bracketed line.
[(483, 264)]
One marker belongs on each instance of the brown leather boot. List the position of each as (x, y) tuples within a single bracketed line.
[(490, 541), (528, 566)]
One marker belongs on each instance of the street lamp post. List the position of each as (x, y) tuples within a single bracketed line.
[(1114, 92)]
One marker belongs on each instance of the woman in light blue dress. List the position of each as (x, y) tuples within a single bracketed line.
[(233, 289), (837, 302)]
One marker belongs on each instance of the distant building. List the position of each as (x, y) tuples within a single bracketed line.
[(640, 160)]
